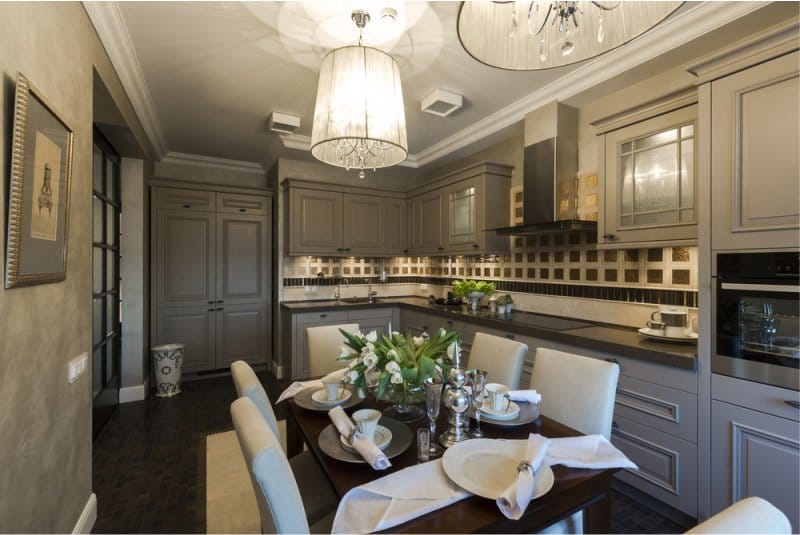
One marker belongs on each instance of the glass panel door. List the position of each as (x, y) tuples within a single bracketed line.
[(106, 321)]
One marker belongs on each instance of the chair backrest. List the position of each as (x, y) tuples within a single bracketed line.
[(279, 501), (576, 391), (751, 515), (247, 384), (500, 357), (324, 344)]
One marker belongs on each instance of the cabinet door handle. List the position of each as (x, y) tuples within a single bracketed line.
[(449, 322), (323, 315), (242, 209), (220, 301), (187, 205), (614, 425), (615, 361), (441, 248), (510, 336), (220, 308), (211, 310), (609, 236), (793, 403), (347, 249), (339, 249), (476, 246), (405, 250), (211, 302)]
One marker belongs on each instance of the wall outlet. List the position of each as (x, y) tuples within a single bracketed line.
[(423, 287), (78, 367)]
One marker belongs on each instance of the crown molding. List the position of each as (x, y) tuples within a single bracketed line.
[(110, 27), (296, 141), (181, 158), (670, 34)]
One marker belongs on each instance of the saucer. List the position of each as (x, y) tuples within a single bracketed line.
[(513, 411), (322, 398), (659, 335), (382, 439)]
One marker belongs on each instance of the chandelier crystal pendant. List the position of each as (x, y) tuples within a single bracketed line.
[(525, 35), (359, 118)]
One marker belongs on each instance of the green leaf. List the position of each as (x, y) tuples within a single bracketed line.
[(427, 368), (385, 376), (409, 374)]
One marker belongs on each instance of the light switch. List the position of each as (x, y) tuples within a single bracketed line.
[(78, 367)]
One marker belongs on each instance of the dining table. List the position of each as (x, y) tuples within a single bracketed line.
[(573, 490)]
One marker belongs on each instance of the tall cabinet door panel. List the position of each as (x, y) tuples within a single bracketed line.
[(193, 327), (241, 334), (242, 257), (755, 163), (396, 231), (316, 225), (430, 223), (363, 224), (185, 258)]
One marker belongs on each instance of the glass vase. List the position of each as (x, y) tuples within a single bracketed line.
[(405, 397)]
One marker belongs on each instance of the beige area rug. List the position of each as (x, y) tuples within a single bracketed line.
[(231, 505)]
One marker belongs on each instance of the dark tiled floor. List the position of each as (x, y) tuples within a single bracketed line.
[(149, 465)]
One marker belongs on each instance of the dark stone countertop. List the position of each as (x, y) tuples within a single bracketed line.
[(625, 341)]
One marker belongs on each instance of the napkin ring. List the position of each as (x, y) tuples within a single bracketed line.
[(351, 435), (525, 465)]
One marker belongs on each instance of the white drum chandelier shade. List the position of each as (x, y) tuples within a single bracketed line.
[(525, 35), (359, 118)]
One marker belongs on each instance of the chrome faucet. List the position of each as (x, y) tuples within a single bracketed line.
[(370, 293), (337, 293)]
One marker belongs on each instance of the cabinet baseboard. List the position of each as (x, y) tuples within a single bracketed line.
[(88, 516)]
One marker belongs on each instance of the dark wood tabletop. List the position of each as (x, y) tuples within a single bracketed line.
[(574, 489)]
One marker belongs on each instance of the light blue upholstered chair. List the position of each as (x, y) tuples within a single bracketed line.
[(317, 495), (501, 358), (579, 392), (279, 502), (750, 515)]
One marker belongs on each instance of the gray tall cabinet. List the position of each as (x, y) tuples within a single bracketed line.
[(210, 269)]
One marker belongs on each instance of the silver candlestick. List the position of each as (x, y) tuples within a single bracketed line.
[(457, 401)]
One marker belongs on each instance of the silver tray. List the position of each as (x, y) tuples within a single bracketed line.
[(331, 445), (528, 412), (303, 399)]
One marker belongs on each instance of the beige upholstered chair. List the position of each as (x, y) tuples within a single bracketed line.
[(500, 357), (317, 495), (579, 392), (279, 502), (324, 344), (750, 515), (576, 391)]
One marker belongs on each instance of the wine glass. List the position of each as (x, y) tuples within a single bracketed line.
[(477, 379), (433, 401)]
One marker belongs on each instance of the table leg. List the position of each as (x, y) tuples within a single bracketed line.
[(597, 517), (294, 442)]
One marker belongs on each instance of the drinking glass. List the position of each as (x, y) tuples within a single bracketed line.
[(433, 401), (477, 380), (423, 445)]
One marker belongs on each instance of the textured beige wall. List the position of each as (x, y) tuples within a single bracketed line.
[(46, 423)]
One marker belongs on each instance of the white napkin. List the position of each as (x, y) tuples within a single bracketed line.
[(515, 499), (528, 396), (590, 451), (299, 386), (396, 498), (362, 444)]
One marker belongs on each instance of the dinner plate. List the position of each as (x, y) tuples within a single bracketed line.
[(512, 412), (382, 439), (528, 412), (331, 445), (659, 335), (321, 397), (486, 467), (304, 399)]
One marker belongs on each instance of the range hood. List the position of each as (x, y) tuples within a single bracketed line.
[(551, 166)]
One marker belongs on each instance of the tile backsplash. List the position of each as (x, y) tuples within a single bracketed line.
[(550, 263)]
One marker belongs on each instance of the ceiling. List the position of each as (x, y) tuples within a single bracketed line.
[(206, 75)]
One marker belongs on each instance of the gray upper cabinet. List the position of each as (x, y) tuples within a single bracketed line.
[(755, 168), (396, 230), (462, 216), (648, 171), (364, 224), (429, 227), (315, 224), (211, 286)]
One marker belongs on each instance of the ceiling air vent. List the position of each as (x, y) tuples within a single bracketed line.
[(441, 103), (281, 123)]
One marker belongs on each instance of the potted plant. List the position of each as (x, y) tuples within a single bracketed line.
[(473, 290), (504, 304)]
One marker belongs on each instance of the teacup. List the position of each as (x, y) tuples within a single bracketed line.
[(367, 422), (498, 396), (332, 390), (656, 325)]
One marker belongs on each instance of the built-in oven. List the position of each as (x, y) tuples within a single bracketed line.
[(757, 317)]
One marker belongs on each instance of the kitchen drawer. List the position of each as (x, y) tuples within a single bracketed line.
[(410, 320), (369, 313), (756, 396), (653, 372), (667, 464), (233, 203), (332, 318), (666, 409), (185, 199)]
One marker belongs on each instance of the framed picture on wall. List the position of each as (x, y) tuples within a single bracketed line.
[(38, 207)]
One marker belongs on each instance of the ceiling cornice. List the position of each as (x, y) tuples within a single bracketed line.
[(671, 34), (110, 27), (181, 158), (296, 141)]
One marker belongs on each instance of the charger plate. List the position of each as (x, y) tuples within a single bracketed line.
[(331, 445), (304, 399), (528, 412)]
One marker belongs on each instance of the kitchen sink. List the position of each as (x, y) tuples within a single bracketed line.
[(359, 300)]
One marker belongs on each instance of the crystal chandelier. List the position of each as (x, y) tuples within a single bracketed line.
[(359, 118), (524, 35)]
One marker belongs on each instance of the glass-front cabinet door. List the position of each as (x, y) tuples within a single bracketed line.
[(649, 181), (461, 211)]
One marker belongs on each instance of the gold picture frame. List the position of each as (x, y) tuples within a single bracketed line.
[(38, 205)]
